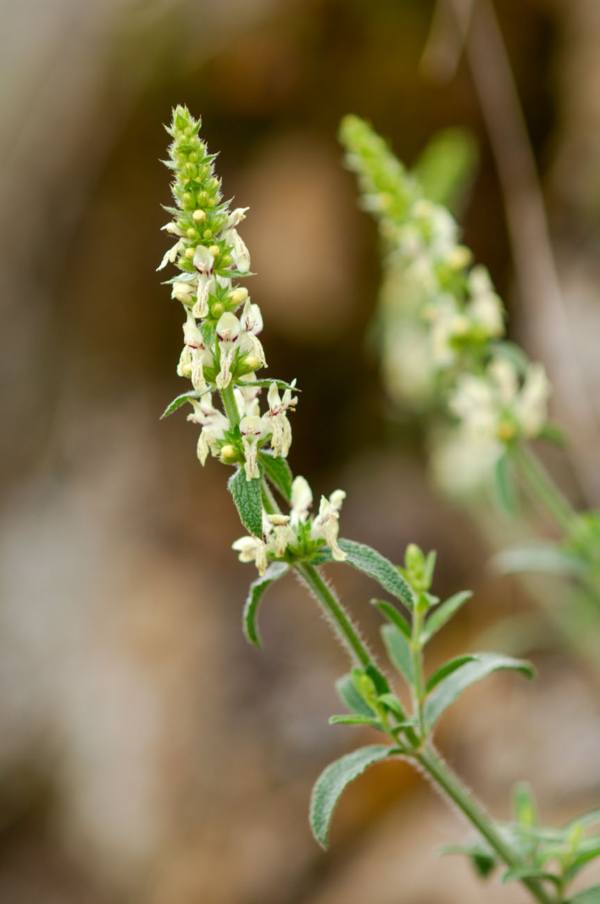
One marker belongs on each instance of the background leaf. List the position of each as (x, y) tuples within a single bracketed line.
[(587, 896), (450, 689), (332, 782), (544, 557), (275, 571), (248, 500)]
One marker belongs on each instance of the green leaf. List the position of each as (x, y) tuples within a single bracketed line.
[(391, 702), (446, 166), (482, 665), (332, 782), (278, 472), (248, 500), (378, 567), (275, 571), (523, 802), (399, 651), (544, 557), (529, 872), (392, 614), (581, 860), (591, 818), (513, 353), (208, 328), (483, 859), (354, 719), (446, 669), (179, 401), (553, 433), (348, 693), (587, 896), (379, 680), (505, 484), (444, 613), (281, 384)]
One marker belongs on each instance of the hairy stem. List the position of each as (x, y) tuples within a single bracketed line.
[(440, 773), (543, 487), (230, 405), (417, 661), (429, 760), (335, 612)]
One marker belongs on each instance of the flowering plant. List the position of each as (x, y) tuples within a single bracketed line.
[(443, 342), (221, 356)]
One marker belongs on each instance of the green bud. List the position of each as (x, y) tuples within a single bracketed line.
[(217, 309)]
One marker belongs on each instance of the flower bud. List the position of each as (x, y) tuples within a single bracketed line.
[(183, 292), (199, 216), (228, 454), (251, 362), (214, 250), (189, 253), (239, 295)]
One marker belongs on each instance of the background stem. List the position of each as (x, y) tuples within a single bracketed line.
[(543, 487)]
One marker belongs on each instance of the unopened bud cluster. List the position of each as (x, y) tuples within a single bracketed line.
[(221, 349), (443, 323)]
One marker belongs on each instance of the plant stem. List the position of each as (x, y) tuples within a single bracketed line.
[(543, 486), (429, 760), (335, 612), (418, 687), (230, 405), (437, 770)]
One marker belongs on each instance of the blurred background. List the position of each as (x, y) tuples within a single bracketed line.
[(147, 754)]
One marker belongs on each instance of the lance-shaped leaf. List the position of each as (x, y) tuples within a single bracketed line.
[(332, 782), (446, 669), (398, 649), (281, 384), (482, 665), (378, 567), (530, 872), (587, 896), (278, 472), (354, 719), (444, 613), (523, 804), (248, 500), (482, 857), (275, 571), (348, 693), (505, 484), (179, 401), (544, 557), (393, 616)]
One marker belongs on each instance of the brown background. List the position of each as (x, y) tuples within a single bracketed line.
[(146, 753)]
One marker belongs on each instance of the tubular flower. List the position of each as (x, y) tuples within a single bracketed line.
[(221, 356), (278, 420), (282, 532)]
